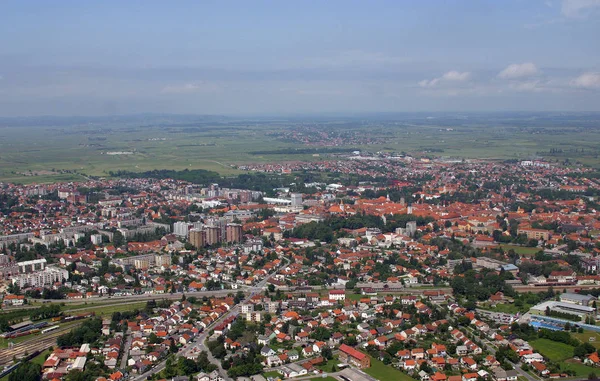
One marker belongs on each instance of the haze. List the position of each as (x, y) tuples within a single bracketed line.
[(282, 57)]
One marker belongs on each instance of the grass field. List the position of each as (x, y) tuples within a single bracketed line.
[(65, 151), (580, 369), (350, 295), (104, 309), (273, 373), (328, 366), (553, 350), (326, 378), (521, 250), (586, 336), (383, 372)]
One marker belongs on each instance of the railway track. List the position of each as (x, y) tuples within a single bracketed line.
[(39, 342)]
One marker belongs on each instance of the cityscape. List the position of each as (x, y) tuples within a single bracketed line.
[(300, 191)]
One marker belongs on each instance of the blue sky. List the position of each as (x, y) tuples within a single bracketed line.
[(280, 57)]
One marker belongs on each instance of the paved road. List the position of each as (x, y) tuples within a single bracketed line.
[(488, 346), (199, 344), (126, 350)]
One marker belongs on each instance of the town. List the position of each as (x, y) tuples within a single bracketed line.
[(418, 269)]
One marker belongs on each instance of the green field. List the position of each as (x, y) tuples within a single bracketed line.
[(521, 250), (68, 150), (585, 338), (580, 369), (383, 372), (328, 366), (327, 378), (103, 309), (273, 373), (553, 350)]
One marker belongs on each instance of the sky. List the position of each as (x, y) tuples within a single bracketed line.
[(294, 57)]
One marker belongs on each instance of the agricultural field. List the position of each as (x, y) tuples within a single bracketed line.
[(71, 149), (553, 350)]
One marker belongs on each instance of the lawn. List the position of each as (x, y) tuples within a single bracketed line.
[(383, 372), (39, 359), (521, 250), (585, 338), (507, 308), (327, 367), (553, 350), (273, 373), (104, 309), (326, 378), (354, 297), (580, 369)]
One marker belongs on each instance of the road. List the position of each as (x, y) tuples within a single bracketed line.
[(489, 347), (126, 350), (199, 343)]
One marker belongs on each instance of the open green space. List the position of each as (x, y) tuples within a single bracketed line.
[(350, 295), (39, 359), (383, 372), (273, 373), (580, 369), (328, 367), (104, 309), (588, 337), (4, 342), (69, 150), (553, 350), (521, 250)]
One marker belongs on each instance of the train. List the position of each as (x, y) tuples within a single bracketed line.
[(27, 330), (35, 328), (9, 369), (50, 329)]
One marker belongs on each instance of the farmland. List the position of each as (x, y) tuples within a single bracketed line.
[(69, 150)]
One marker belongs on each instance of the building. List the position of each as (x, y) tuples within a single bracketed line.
[(234, 233), (339, 295), (582, 300), (181, 228), (213, 235), (539, 234), (351, 356), (46, 277), (197, 238), (32, 266), (411, 228), (296, 199)]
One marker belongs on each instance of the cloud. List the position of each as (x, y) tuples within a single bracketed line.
[(587, 81), (452, 76), (186, 88), (515, 71), (579, 8)]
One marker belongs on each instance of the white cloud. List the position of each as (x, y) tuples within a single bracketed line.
[(579, 8), (587, 81), (452, 76), (515, 71)]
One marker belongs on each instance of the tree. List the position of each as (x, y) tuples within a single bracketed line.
[(27, 371)]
